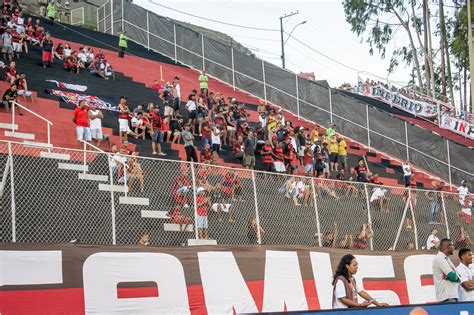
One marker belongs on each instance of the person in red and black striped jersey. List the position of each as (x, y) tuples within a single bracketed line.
[(267, 156), (279, 161)]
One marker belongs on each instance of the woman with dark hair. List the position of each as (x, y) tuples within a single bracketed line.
[(345, 289)]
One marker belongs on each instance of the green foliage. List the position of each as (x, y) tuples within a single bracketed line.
[(459, 42), (363, 16)]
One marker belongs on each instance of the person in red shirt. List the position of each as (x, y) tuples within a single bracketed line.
[(81, 119), (308, 160), (237, 148), (267, 156), (156, 86), (206, 155), (279, 160), (201, 217), (157, 123), (291, 159), (206, 132), (178, 218)]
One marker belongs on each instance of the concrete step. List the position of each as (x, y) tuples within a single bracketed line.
[(115, 188), (57, 156), (155, 214), (21, 135), (195, 242), (38, 144), (99, 178), (73, 167), (177, 227), (134, 201), (8, 126)]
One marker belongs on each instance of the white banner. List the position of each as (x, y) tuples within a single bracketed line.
[(416, 107), (458, 125)]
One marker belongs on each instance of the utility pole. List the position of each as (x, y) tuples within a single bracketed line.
[(281, 33)]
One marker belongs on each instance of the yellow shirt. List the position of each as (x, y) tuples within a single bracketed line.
[(333, 147), (325, 140), (342, 147), (314, 136)]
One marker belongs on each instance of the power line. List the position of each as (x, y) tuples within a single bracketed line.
[(322, 54), (215, 21)]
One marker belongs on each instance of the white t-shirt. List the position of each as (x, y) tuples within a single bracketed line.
[(190, 105), (225, 207), (178, 90), (463, 192), (340, 292), (377, 194), (444, 289), (95, 123), (118, 160), (67, 52), (467, 210), (82, 57), (406, 169), (300, 187), (465, 274), (216, 139), (137, 122), (429, 241)]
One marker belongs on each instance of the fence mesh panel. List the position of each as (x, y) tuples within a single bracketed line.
[(52, 204), (96, 198)]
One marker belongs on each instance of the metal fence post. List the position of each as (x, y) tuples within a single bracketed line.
[(445, 214), (203, 58), (404, 215), (257, 217), (406, 141), (112, 199), (97, 20), (112, 17), (85, 158), (193, 177), (415, 230), (12, 188), (449, 162), (123, 17), (330, 103), (233, 70), (369, 217), (147, 31), (368, 125), (264, 84), (297, 98), (175, 49), (318, 225)]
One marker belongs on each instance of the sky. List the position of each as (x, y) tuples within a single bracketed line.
[(325, 30)]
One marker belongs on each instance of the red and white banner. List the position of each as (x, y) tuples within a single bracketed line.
[(458, 125), (69, 86), (74, 98), (76, 279)]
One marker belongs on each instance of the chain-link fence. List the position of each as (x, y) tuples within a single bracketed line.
[(312, 101), (60, 195)]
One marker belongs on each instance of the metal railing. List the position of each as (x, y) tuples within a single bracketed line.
[(77, 16), (48, 122), (58, 198), (323, 109)]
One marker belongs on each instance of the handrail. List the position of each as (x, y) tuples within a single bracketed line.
[(32, 112), (102, 151), (48, 122)]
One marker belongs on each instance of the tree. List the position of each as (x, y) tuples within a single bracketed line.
[(364, 16), (460, 50)]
